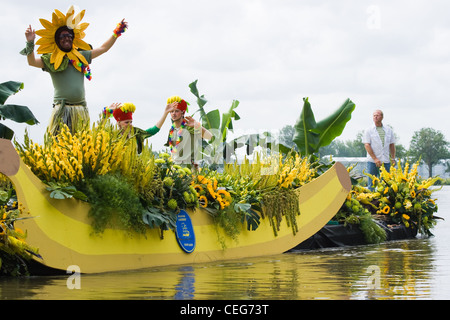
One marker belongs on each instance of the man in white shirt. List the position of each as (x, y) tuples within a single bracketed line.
[(379, 142)]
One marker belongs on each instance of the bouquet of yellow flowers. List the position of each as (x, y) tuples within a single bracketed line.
[(406, 199)]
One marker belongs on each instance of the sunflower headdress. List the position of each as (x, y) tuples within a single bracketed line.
[(48, 41)]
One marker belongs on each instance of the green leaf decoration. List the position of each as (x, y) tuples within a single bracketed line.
[(5, 132), (9, 88), (311, 135), (20, 114), (334, 125), (305, 138), (12, 112)]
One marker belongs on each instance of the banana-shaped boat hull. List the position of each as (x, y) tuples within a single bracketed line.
[(62, 232)]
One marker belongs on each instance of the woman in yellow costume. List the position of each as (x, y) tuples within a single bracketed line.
[(66, 57)]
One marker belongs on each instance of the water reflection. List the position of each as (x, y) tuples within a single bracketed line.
[(411, 269), (401, 269)]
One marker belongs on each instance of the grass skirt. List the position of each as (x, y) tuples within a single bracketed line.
[(75, 117)]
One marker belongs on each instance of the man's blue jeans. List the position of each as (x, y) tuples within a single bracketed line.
[(374, 170)]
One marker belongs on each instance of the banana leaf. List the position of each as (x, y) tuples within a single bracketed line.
[(226, 119), (310, 135), (305, 137), (333, 126), (201, 101), (213, 119), (20, 114), (5, 132), (17, 113), (9, 88)]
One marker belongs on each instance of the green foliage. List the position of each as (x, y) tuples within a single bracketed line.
[(373, 233), (430, 146), (114, 203), (175, 192), (354, 213), (12, 265), (219, 125), (15, 113), (64, 191), (311, 135), (14, 252), (154, 217), (230, 223)]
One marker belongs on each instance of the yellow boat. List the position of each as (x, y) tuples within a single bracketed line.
[(62, 232)]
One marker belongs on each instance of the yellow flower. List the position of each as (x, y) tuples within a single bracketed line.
[(386, 209), (198, 188), (128, 107), (211, 191), (173, 99), (394, 187), (405, 216), (203, 201), (408, 204), (202, 179), (224, 193)]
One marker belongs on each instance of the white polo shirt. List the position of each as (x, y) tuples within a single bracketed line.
[(372, 137)]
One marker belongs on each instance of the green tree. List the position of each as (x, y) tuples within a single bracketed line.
[(430, 146), (347, 148), (286, 137)]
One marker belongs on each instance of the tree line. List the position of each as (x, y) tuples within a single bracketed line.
[(427, 145)]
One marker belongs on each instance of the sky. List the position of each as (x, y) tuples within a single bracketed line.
[(268, 55)]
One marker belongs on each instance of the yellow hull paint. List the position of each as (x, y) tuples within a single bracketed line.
[(62, 232)]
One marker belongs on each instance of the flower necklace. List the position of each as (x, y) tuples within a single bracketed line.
[(84, 68), (178, 139)]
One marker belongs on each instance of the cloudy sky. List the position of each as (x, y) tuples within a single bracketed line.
[(392, 55)]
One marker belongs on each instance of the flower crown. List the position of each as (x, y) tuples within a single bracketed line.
[(182, 104), (124, 112)]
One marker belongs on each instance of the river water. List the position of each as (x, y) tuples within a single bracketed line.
[(407, 269)]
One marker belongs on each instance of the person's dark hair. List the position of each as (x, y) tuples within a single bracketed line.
[(58, 33)]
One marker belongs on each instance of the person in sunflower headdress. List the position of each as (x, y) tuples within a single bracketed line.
[(66, 57), (123, 113)]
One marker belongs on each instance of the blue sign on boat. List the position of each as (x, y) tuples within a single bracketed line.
[(185, 232)]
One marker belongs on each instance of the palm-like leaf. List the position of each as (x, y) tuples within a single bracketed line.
[(21, 114), (311, 135), (305, 138)]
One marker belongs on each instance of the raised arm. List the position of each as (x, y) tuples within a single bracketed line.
[(168, 109), (30, 35), (122, 26), (190, 122)]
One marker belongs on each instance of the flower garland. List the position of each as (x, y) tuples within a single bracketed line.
[(107, 112), (84, 68), (178, 140), (121, 28)]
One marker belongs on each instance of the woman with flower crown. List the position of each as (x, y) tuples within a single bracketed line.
[(123, 113), (185, 134), (66, 57)]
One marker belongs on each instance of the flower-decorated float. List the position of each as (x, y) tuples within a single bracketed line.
[(89, 199), (114, 230)]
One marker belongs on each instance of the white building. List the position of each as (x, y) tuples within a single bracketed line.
[(360, 165)]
